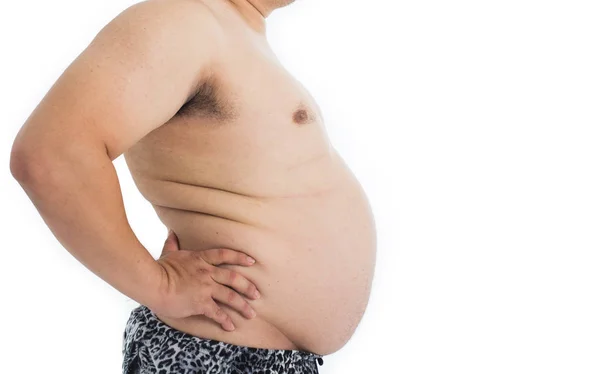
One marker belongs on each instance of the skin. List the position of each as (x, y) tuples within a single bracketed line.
[(232, 153)]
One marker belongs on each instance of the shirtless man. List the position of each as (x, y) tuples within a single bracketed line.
[(232, 153)]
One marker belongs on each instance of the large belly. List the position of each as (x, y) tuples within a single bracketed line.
[(315, 257)]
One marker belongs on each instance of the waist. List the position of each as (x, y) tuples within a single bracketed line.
[(145, 329), (315, 258)]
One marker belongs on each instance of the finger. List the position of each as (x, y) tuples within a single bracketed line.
[(171, 243), (175, 238), (214, 312), (217, 256), (236, 281), (230, 297)]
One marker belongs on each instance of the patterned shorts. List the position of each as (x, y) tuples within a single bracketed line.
[(152, 347)]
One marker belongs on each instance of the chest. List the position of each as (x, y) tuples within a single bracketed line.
[(252, 89), (249, 119)]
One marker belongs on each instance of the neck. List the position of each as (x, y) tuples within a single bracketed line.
[(254, 11)]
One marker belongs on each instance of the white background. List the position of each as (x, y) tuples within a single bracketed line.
[(474, 127)]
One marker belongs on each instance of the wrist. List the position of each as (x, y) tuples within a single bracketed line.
[(152, 296), (146, 281)]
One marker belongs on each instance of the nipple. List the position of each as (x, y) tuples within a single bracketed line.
[(300, 116)]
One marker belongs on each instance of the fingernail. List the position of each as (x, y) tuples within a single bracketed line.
[(250, 260), (253, 313), (257, 294)]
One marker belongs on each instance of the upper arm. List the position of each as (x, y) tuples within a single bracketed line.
[(132, 78)]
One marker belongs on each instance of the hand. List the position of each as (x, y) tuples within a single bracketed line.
[(190, 283)]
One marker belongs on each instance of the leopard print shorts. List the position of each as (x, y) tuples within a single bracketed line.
[(152, 347)]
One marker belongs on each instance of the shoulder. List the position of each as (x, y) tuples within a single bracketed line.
[(164, 10), (175, 22)]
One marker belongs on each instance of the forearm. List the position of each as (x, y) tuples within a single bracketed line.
[(77, 193)]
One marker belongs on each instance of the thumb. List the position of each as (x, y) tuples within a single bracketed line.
[(171, 243)]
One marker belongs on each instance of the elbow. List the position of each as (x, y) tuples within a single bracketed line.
[(27, 167), (41, 167), (53, 162), (21, 165)]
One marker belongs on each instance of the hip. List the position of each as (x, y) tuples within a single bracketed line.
[(149, 345)]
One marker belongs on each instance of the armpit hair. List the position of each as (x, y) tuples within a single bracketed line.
[(208, 101)]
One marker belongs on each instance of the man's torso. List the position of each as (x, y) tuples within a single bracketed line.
[(247, 165)]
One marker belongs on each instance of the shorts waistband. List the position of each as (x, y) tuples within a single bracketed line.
[(144, 327)]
